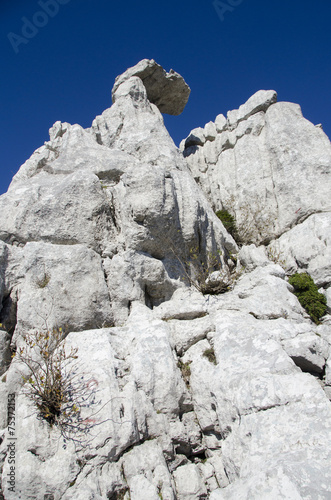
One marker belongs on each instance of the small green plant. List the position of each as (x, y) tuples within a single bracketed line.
[(159, 490), (186, 370), (210, 355), (308, 295), (229, 222), (202, 268), (43, 282), (4, 378)]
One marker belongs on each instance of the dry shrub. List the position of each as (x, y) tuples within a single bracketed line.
[(55, 385)]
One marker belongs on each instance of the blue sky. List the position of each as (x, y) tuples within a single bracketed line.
[(65, 70)]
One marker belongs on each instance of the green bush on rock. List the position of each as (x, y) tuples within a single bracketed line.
[(308, 295), (228, 221)]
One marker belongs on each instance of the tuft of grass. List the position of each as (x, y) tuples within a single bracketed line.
[(210, 355), (43, 282), (186, 370), (308, 295)]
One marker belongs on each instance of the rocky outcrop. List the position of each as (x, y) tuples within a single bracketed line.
[(168, 91), (121, 189), (106, 234), (265, 164)]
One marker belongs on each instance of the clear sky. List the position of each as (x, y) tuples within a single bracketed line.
[(62, 65)]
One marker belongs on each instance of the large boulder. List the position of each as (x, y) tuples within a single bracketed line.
[(168, 91)]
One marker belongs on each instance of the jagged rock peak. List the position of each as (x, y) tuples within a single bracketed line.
[(168, 91)]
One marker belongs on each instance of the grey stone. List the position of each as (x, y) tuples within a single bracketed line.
[(189, 483), (168, 91), (307, 246), (220, 123), (272, 169), (210, 131), (265, 412), (185, 333), (260, 101), (196, 138), (251, 257), (186, 304), (328, 298), (5, 352)]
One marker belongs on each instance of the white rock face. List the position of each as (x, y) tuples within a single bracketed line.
[(107, 234), (262, 169), (307, 246), (124, 193)]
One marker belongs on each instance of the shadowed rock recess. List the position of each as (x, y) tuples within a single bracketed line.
[(109, 233)]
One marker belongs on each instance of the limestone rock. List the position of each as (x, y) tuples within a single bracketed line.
[(185, 305), (220, 123), (262, 293), (120, 188), (307, 246), (189, 483), (60, 287), (196, 138), (270, 167), (5, 354), (106, 233), (210, 131), (251, 257), (260, 101), (168, 91), (265, 411), (185, 333)]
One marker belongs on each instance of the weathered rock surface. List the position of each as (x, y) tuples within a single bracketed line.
[(168, 91), (267, 165), (121, 189), (307, 246), (105, 233)]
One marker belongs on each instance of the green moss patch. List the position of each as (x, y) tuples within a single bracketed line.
[(308, 295)]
